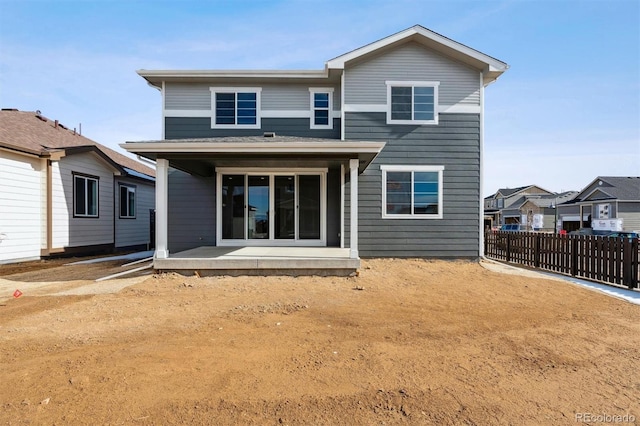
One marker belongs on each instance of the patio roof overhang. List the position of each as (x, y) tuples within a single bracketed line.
[(201, 156)]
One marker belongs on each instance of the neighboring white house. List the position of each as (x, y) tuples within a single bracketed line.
[(61, 192)]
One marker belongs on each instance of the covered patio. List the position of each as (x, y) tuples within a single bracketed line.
[(268, 233)]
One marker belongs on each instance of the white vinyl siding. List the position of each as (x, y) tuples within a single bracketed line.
[(365, 81), (21, 219), (69, 231)]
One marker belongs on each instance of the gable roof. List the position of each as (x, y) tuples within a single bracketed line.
[(491, 67), (510, 191), (625, 188), (507, 192), (547, 200), (32, 133)]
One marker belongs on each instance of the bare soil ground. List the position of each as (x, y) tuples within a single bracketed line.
[(406, 342)]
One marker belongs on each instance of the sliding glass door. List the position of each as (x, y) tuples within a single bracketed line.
[(271, 207), (284, 204), (258, 207)]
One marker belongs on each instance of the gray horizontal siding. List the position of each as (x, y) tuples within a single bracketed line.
[(187, 96), (453, 144), (200, 127), (365, 82), (192, 212), (197, 96), (135, 231)]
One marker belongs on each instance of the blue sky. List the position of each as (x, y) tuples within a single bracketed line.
[(566, 111)]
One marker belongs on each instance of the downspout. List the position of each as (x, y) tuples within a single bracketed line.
[(162, 93), (481, 180), (342, 113), (49, 213)]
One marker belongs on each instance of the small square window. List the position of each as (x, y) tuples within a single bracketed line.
[(412, 102), (412, 192), (235, 107)]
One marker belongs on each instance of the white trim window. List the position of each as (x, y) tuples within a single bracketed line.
[(603, 211), (127, 202), (234, 107), (85, 196), (412, 102), (412, 192), (321, 100)]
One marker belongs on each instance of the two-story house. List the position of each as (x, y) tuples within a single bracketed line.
[(498, 207), (379, 154), (531, 207)]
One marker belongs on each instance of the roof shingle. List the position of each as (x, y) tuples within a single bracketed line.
[(30, 132)]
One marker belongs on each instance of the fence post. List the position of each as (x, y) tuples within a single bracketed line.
[(508, 247), (630, 263), (536, 251), (574, 255)]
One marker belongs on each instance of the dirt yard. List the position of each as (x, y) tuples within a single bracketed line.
[(406, 342)]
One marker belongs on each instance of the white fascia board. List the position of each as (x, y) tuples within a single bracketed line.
[(263, 147), (172, 74), (491, 63)]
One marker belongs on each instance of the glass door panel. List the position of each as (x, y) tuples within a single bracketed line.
[(258, 208), (233, 206), (309, 207), (284, 205)]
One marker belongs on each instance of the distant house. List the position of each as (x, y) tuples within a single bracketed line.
[(608, 203), (495, 205), (533, 207), (61, 192), (377, 154)]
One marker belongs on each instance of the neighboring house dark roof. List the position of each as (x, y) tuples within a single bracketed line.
[(549, 200), (32, 133), (616, 187), (510, 191)]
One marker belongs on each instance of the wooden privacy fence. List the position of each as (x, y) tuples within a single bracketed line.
[(609, 260)]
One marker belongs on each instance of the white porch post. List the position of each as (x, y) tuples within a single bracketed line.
[(353, 211), (342, 198), (162, 206)]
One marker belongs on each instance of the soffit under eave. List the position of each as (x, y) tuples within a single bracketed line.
[(332, 78), (23, 151)]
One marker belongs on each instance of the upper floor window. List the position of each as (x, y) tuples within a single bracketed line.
[(235, 107), (412, 192), (412, 102), (127, 202), (85, 196), (321, 105)]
